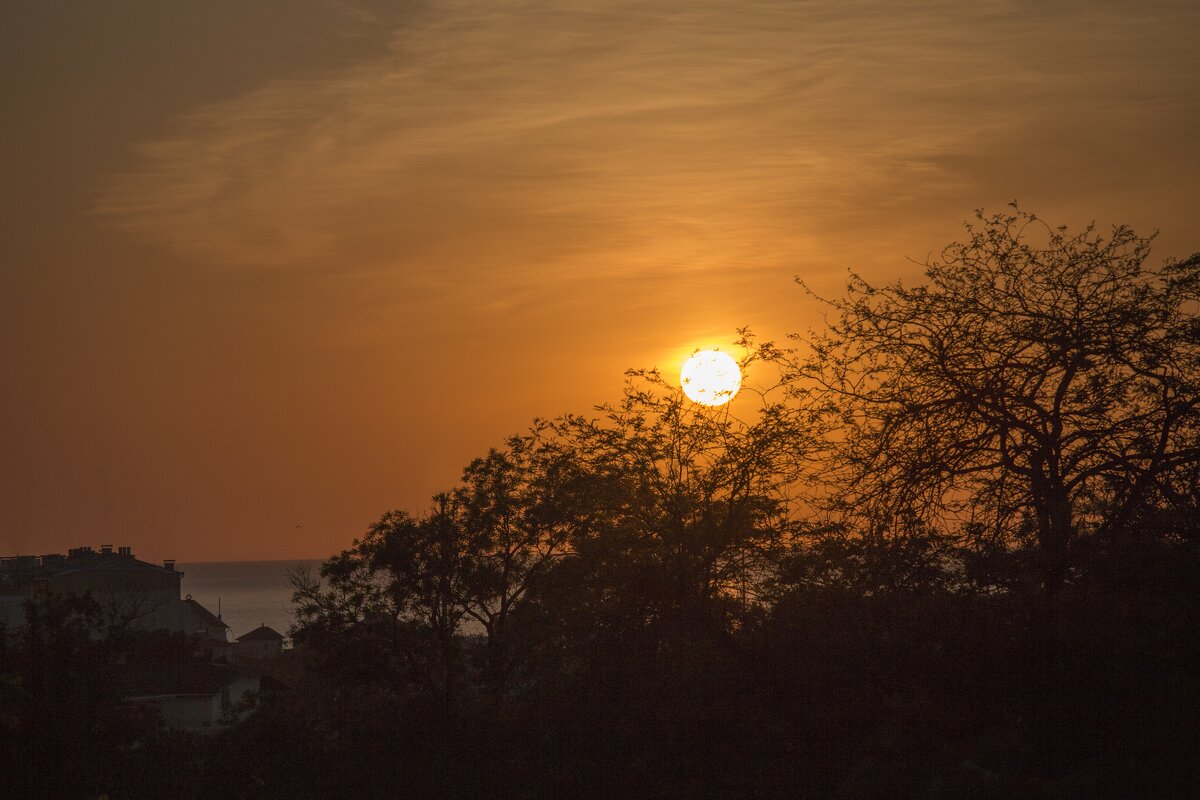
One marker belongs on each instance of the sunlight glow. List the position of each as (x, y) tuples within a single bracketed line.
[(710, 377)]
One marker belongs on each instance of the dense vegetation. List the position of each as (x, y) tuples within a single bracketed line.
[(952, 551)]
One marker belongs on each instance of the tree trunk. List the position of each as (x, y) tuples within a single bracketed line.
[(1055, 523)]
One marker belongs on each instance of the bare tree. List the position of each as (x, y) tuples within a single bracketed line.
[(1040, 384)]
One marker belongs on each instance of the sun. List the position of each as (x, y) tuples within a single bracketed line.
[(710, 377)]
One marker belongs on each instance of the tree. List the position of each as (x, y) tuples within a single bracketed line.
[(677, 505), (1040, 385), (464, 567), (675, 515), (387, 610), (512, 537)]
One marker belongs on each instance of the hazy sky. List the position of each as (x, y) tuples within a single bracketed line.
[(280, 264)]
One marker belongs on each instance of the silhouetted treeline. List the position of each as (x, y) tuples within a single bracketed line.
[(951, 551)]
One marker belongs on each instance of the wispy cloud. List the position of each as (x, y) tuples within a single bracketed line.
[(552, 138)]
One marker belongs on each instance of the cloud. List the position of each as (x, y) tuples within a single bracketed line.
[(546, 140)]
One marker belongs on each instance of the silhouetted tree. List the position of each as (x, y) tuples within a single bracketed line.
[(390, 603), (1039, 384), (684, 506), (1036, 393), (676, 515), (513, 535), (463, 568)]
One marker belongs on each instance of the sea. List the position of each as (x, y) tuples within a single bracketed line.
[(247, 594)]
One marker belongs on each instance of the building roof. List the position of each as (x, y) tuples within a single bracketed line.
[(109, 561), (203, 615), (260, 634), (16, 571)]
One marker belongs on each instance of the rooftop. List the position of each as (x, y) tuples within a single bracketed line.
[(20, 570), (259, 634), (203, 614)]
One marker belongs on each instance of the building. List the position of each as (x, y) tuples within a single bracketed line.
[(202, 695), (210, 632), (130, 592), (262, 642)]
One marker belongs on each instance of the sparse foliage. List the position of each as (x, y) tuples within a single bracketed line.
[(1039, 385)]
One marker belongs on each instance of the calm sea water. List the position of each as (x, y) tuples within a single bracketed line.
[(249, 593)]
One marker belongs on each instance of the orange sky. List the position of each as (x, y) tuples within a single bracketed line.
[(289, 264)]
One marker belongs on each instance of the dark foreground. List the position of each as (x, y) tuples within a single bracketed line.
[(841, 688)]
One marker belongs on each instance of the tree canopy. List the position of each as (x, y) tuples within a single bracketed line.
[(1040, 384)]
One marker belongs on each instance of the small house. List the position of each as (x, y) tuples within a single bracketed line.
[(262, 642)]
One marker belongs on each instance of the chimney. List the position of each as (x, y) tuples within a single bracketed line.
[(169, 563), (106, 549), (125, 550)]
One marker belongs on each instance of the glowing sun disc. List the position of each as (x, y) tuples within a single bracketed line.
[(710, 378)]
